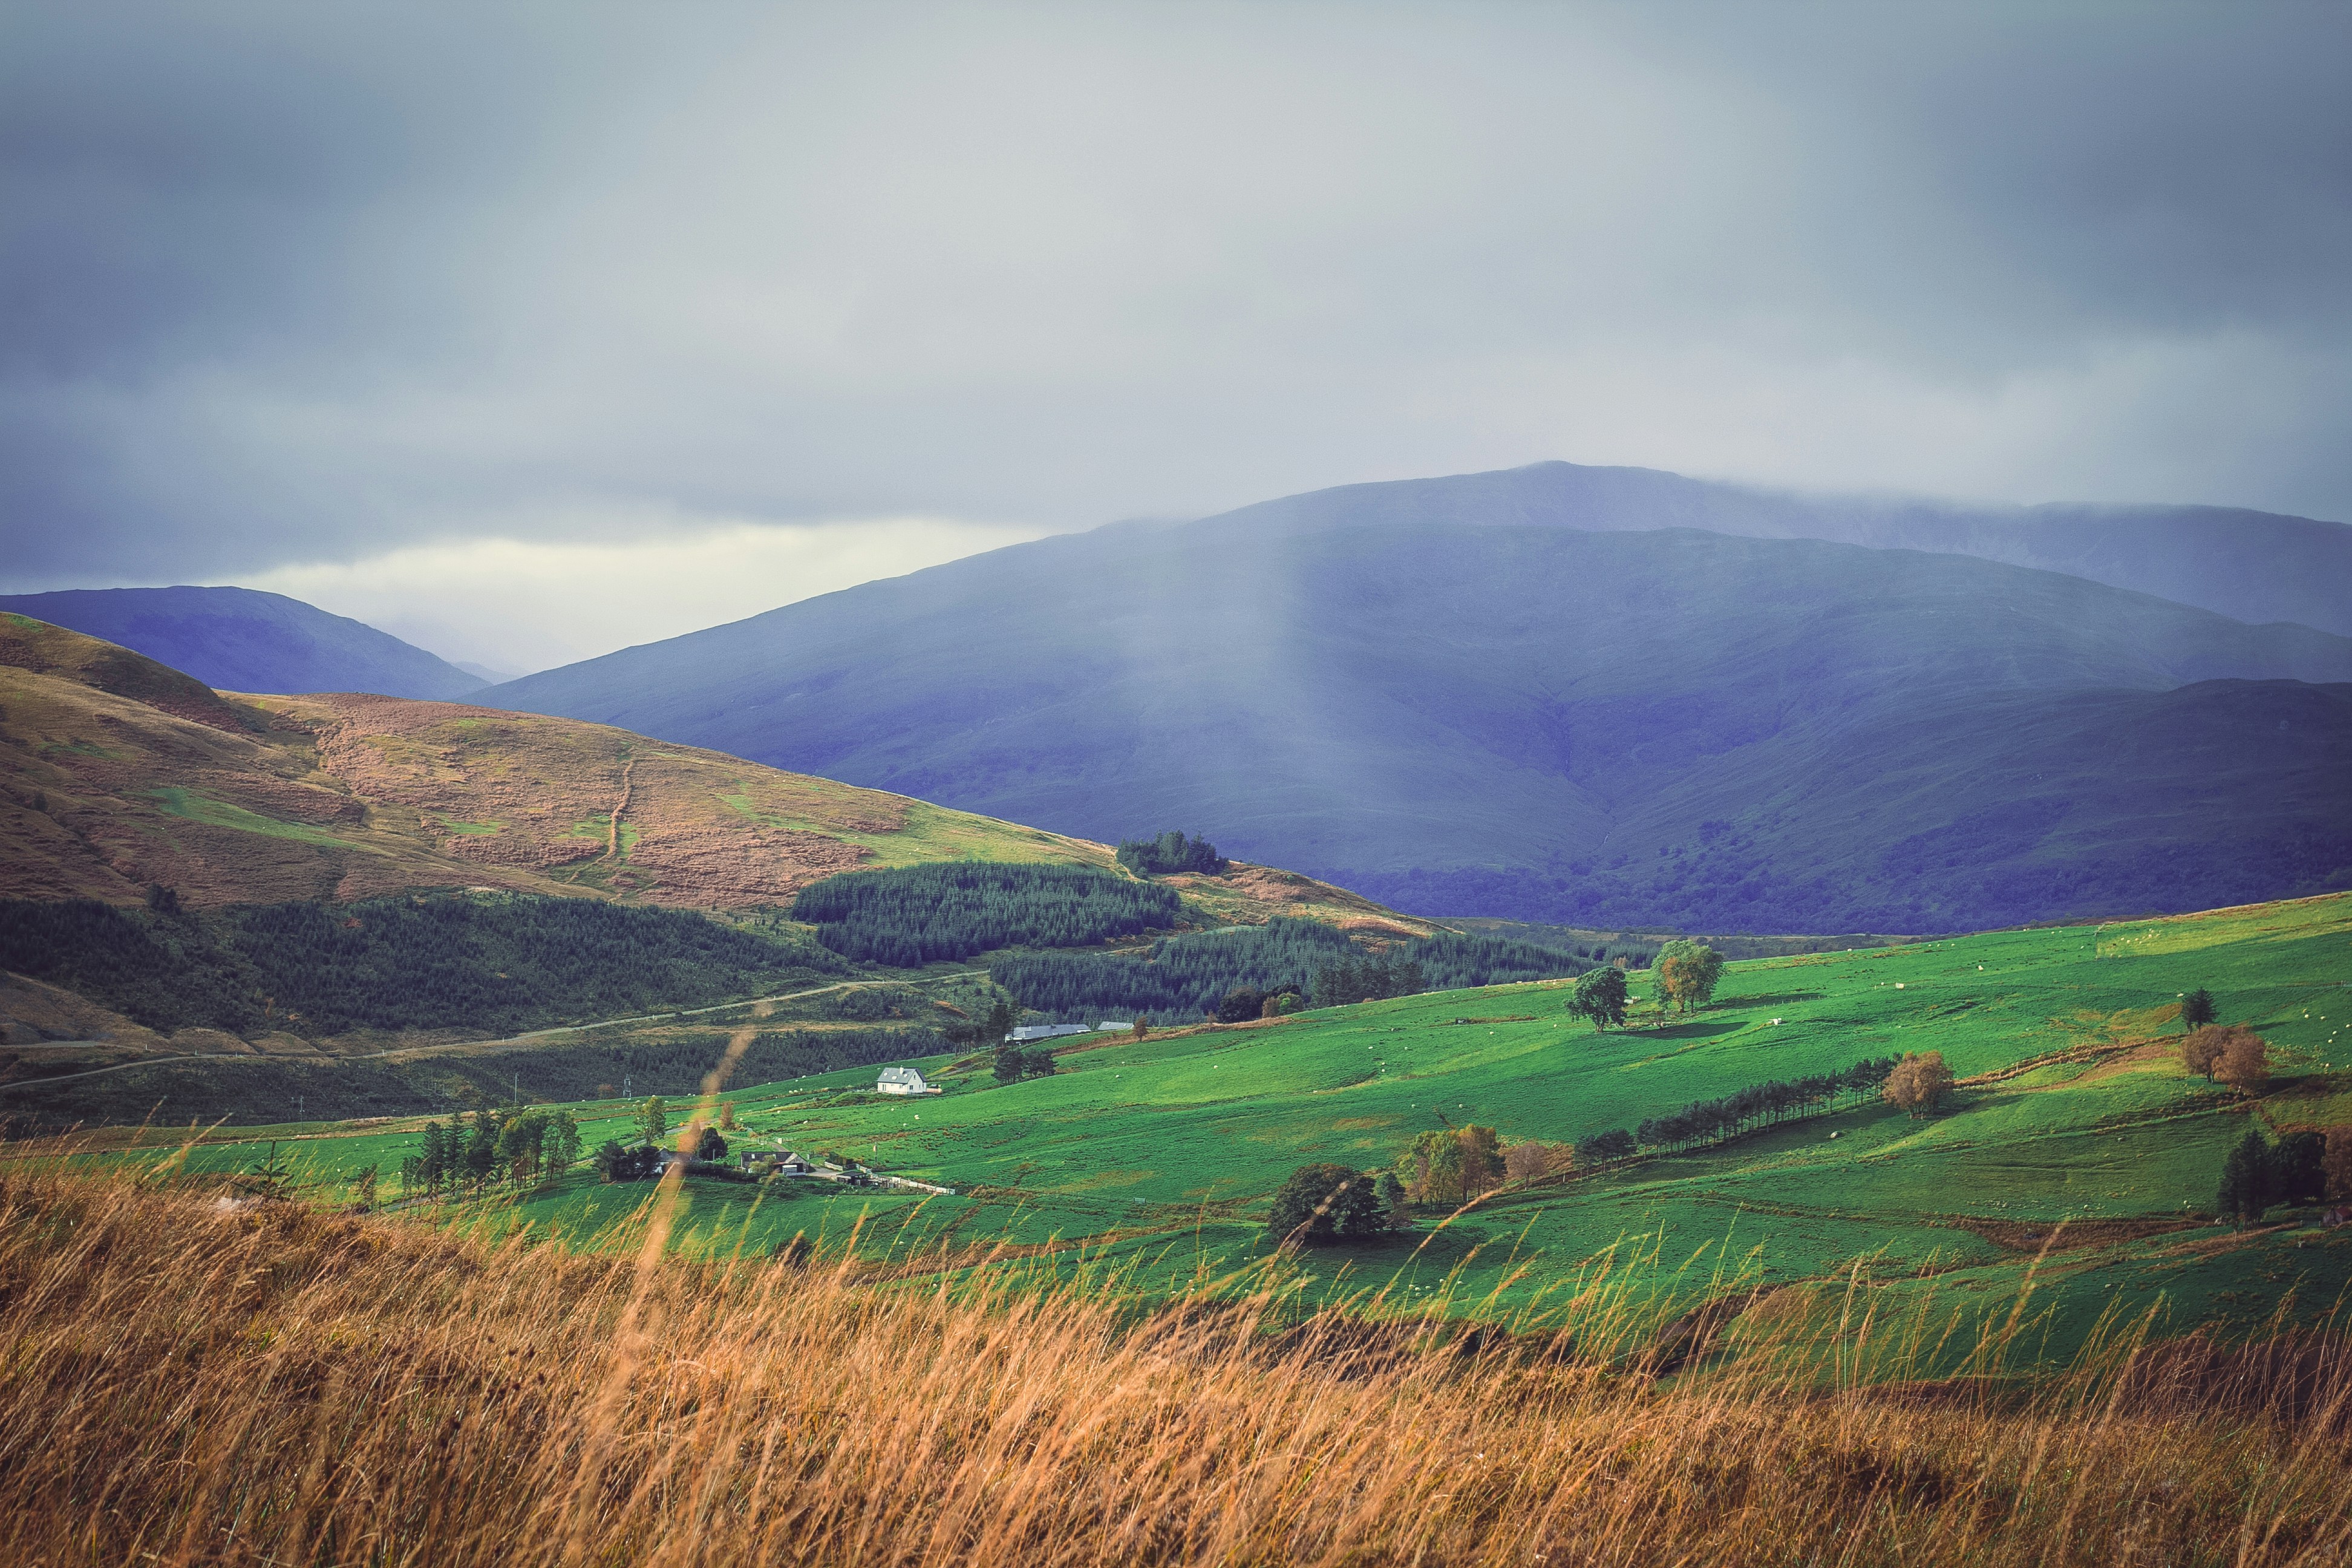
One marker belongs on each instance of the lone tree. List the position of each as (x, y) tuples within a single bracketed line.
[(1688, 973), (2197, 1009), (2245, 1063), (1918, 1082), (1323, 1204), (2200, 1052), (653, 1121), (710, 1145), (1599, 996)]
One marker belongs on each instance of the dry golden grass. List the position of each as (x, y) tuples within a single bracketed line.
[(188, 1382)]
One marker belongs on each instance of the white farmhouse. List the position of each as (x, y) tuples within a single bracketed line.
[(903, 1080)]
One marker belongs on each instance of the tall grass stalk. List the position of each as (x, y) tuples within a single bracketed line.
[(187, 1381)]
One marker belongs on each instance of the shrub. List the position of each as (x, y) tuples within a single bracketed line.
[(1531, 1160), (1170, 854), (1324, 1203), (1242, 1002), (1918, 1082)]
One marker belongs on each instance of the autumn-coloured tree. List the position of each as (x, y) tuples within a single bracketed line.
[(1451, 1166), (2245, 1061), (1918, 1082), (2200, 1052), (1526, 1162), (1482, 1159), (727, 1116), (1687, 973)]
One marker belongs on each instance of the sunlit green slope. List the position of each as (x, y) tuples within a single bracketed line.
[(1160, 1154)]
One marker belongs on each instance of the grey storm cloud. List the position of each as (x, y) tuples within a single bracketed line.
[(307, 283)]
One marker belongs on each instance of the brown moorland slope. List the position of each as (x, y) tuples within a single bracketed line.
[(117, 772)]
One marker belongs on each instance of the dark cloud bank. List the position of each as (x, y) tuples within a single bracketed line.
[(301, 283)]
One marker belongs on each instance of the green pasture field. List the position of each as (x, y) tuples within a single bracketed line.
[(1149, 1162)]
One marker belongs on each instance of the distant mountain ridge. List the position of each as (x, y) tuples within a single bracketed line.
[(1438, 692), (2253, 566), (241, 639)]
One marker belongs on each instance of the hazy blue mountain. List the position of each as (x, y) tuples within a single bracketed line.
[(239, 640), (1549, 724), (2251, 565)]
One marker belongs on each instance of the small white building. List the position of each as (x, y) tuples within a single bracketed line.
[(903, 1080)]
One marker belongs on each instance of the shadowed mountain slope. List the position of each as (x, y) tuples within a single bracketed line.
[(1560, 712), (238, 639)]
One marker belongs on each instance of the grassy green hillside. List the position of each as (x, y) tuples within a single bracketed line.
[(2075, 1127)]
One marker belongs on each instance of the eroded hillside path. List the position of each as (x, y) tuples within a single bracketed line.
[(459, 1047)]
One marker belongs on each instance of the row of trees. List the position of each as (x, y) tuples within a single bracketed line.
[(925, 914), (509, 1145), (1762, 1105), (1765, 1104), (1170, 854)]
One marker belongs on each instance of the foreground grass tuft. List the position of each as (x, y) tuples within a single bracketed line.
[(185, 1381)]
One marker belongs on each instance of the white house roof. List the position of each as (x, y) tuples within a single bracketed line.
[(900, 1075)]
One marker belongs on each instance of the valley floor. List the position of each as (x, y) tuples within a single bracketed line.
[(2070, 1171)]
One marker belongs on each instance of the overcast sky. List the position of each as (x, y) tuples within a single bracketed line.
[(532, 332)]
